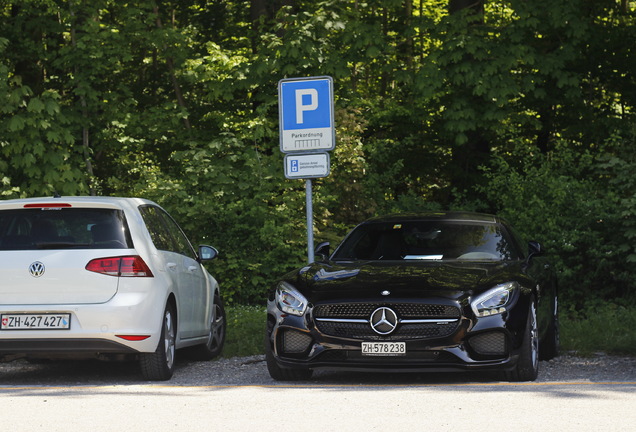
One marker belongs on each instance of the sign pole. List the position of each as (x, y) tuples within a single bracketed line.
[(307, 133), (310, 222)]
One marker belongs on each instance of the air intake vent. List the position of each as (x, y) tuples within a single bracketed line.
[(489, 344), (295, 342)]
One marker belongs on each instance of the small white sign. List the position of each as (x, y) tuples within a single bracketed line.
[(307, 165)]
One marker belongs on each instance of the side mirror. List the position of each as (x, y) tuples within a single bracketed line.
[(207, 253), (534, 248), (322, 252)]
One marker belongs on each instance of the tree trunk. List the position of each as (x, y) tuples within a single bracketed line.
[(408, 43), (85, 116), (30, 71), (173, 78), (477, 6), (475, 9)]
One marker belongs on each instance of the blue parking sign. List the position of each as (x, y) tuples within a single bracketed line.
[(306, 104), (306, 114)]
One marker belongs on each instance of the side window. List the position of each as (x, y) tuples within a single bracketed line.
[(181, 241), (360, 244), (157, 229), (516, 242), (164, 231)]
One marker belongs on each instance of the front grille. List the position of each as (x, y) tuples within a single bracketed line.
[(404, 310), (490, 344), (295, 342), (329, 320), (404, 331)]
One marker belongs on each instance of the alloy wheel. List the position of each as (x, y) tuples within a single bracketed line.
[(169, 338)]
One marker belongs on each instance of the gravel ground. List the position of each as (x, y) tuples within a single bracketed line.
[(253, 371)]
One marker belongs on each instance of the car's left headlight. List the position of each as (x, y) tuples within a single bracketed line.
[(495, 300), (289, 300)]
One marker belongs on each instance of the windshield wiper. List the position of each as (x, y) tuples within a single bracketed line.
[(61, 245)]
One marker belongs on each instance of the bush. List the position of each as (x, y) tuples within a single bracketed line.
[(245, 331), (574, 203), (599, 326), (233, 197)]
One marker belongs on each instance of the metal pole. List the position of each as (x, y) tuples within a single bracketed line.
[(310, 222)]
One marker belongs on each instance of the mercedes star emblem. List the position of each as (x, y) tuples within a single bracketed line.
[(36, 269), (383, 320)]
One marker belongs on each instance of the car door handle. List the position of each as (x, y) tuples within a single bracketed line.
[(172, 266), (192, 269)]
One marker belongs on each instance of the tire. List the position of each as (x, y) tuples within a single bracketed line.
[(159, 365), (527, 368), (550, 346), (216, 335), (283, 374)]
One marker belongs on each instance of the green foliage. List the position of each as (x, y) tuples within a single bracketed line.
[(599, 327), (563, 200), (617, 169), (240, 208), (36, 146), (526, 109), (245, 331)]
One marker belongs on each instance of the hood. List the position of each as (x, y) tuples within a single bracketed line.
[(368, 279)]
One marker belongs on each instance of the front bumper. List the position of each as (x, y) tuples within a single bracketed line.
[(489, 343)]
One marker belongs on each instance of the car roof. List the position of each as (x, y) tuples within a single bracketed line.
[(80, 201), (454, 216)]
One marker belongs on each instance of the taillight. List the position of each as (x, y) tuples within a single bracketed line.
[(133, 338), (47, 205), (125, 266)]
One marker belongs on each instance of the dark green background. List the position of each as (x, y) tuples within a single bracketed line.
[(521, 108)]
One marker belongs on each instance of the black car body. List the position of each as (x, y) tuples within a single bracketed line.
[(417, 292)]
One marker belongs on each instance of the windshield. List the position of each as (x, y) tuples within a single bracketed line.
[(427, 240), (63, 228)]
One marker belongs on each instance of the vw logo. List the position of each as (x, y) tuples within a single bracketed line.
[(383, 320), (36, 269)]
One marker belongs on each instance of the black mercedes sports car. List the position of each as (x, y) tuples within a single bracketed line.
[(417, 292)]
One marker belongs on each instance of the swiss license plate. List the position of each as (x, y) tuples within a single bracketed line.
[(383, 348), (35, 322)]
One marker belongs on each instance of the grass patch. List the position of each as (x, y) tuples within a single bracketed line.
[(599, 327), (245, 330)]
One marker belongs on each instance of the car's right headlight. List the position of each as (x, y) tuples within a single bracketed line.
[(289, 300), (495, 300)]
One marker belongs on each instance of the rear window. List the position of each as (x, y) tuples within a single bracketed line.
[(63, 228), (427, 240)]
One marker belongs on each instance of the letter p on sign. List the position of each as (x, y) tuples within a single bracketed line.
[(300, 99)]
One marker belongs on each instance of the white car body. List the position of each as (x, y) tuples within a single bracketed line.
[(109, 314)]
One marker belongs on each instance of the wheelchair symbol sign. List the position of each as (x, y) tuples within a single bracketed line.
[(307, 165)]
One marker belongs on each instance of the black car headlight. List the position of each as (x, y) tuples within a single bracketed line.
[(289, 300), (495, 300)]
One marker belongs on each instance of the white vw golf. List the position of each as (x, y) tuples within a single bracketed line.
[(86, 277)]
